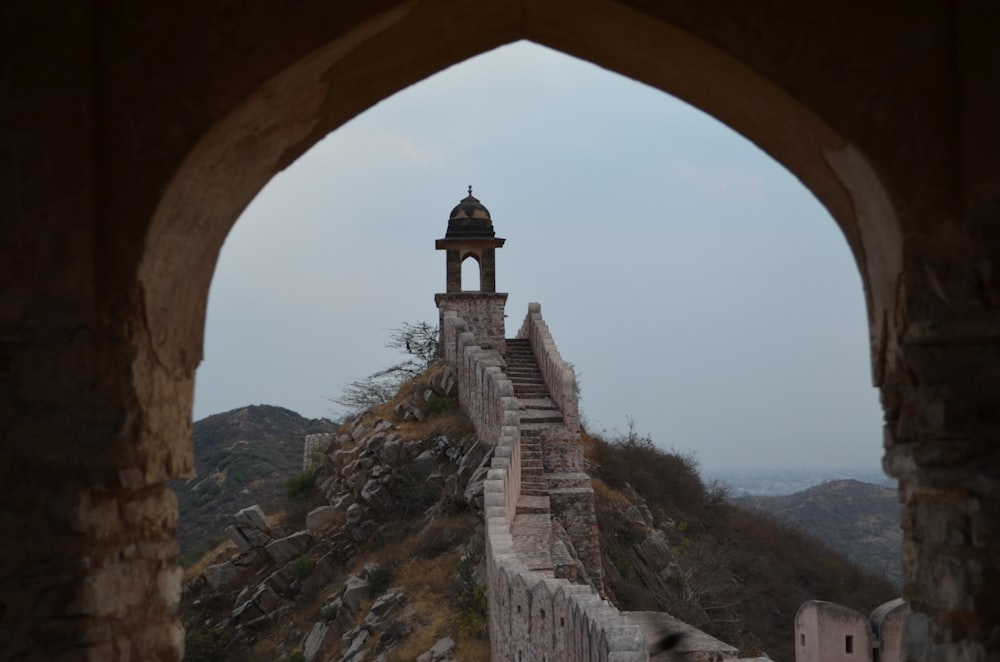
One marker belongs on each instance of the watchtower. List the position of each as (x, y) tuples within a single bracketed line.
[(470, 235)]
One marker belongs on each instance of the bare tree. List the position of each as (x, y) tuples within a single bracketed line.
[(419, 342)]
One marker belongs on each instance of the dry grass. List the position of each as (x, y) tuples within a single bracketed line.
[(211, 557), (435, 620), (590, 445), (451, 422), (609, 495), (434, 575), (472, 650)]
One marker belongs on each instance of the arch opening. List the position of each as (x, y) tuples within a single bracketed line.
[(472, 272), (213, 158)]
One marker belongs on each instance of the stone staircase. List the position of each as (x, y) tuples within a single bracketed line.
[(532, 526)]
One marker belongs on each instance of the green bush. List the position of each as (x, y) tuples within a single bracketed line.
[(471, 599), (438, 404), (300, 486), (202, 644), (302, 567), (413, 495), (327, 613)]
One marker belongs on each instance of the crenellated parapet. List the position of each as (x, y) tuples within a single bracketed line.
[(533, 615)]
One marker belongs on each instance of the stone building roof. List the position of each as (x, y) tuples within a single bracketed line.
[(470, 220)]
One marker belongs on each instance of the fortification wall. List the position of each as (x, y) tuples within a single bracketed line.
[(559, 376), (533, 616), (313, 447)]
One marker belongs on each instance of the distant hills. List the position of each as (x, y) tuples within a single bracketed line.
[(858, 519), (242, 457)]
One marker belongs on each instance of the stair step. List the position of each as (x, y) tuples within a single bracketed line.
[(530, 504), (542, 419)]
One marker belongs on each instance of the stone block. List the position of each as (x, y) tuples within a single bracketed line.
[(285, 549), (356, 590), (377, 495), (322, 518), (221, 576), (317, 641)]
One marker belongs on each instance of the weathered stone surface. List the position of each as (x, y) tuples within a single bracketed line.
[(285, 549), (423, 465), (322, 518), (442, 651), (356, 590), (318, 641), (354, 514), (377, 496), (386, 602), (250, 529), (265, 598), (221, 576), (353, 644)]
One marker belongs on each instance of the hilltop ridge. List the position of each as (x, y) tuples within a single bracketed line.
[(395, 513), (859, 519), (242, 456)]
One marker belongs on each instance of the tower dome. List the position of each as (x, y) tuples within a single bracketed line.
[(470, 220)]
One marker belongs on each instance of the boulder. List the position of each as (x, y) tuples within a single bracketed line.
[(377, 496), (221, 576), (265, 599), (247, 613), (385, 604), (317, 641), (356, 590), (424, 465), (285, 549), (353, 645), (322, 518), (249, 529), (442, 651), (389, 452), (252, 517), (354, 514)]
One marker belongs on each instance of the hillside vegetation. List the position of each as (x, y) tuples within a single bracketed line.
[(858, 519), (241, 457), (672, 544)]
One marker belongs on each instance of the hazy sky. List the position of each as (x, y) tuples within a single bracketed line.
[(696, 285)]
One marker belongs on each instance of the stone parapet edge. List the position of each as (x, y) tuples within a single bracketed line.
[(559, 376), (531, 614)]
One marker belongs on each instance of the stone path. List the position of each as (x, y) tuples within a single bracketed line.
[(532, 526)]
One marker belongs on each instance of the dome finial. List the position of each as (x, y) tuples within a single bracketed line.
[(470, 189)]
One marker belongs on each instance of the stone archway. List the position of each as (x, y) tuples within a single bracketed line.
[(187, 112)]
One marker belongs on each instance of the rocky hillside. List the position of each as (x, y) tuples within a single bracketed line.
[(242, 456), (860, 520), (670, 544), (379, 556)]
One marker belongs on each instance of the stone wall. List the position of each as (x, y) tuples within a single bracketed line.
[(559, 375), (533, 616), (483, 312), (313, 447), (827, 632)]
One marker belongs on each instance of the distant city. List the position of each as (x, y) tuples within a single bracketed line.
[(776, 482)]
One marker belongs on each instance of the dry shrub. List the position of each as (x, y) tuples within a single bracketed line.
[(211, 557), (668, 481), (435, 575), (472, 650), (610, 496), (434, 620)]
